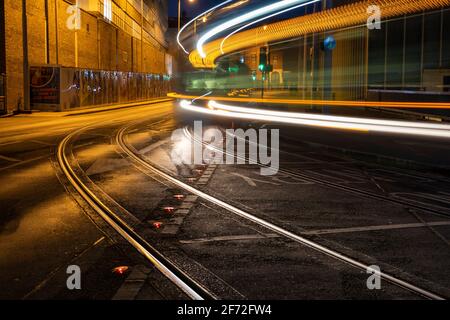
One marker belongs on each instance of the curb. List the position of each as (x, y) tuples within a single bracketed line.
[(88, 111), (117, 107), (415, 115), (8, 115)]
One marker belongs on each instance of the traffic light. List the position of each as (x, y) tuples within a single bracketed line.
[(262, 58), (233, 69), (264, 61)]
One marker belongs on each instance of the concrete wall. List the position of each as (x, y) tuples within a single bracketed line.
[(97, 45)]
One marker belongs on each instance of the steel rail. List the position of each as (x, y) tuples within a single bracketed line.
[(333, 185), (186, 284), (134, 155)]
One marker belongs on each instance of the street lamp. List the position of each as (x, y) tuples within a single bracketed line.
[(179, 13)]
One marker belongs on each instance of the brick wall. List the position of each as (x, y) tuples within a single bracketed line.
[(97, 45)]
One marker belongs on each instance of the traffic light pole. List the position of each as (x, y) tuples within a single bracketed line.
[(262, 84)]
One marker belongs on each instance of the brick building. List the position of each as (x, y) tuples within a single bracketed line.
[(85, 36)]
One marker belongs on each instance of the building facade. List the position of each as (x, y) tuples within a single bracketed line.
[(94, 45)]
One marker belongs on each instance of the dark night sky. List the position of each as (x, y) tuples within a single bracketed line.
[(191, 9)]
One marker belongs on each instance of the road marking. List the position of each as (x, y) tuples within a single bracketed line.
[(427, 198), (43, 143), (106, 165), (395, 173), (9, 159), (251, 182), (9, 143), (152, 146), (17, 164), (328, 177), (377, 228), (232, 238), (54, 272), (349, 174)]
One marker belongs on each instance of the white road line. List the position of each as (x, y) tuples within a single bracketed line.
[(231, 238), (152, 147), (9, 159), (43, 143), (10, 143), (17, 164), (377, 228)]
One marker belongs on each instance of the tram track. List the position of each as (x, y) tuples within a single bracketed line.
[(191, 288), (337, 186), (140, 161)]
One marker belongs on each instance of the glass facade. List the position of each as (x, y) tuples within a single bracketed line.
[(411, 53)]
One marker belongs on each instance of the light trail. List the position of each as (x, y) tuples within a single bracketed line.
[(196, 18), (262, 19), (364, 125), (332, 103), (330, 19), (202, 96), (242, 19), (214, 105)]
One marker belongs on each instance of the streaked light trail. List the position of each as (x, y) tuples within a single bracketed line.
[(351, 14), (196, 18), (262, 19), (345, 123), (242, 19), (333, 103), (214, 105)]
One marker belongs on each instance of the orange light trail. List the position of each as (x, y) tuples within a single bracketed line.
[(334, 103), (332, 19)]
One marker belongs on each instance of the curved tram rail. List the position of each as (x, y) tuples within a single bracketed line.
[(336, 186), (139, 160), (186, 284)]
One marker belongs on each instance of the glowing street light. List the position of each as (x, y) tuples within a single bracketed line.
[(179, 13)]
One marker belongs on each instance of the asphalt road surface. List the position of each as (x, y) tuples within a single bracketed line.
[(307, 232)]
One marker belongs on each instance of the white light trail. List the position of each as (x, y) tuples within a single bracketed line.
[(243, 18), (215, 105), (196, 18), (355, 124), (262, 19), (206, 94)]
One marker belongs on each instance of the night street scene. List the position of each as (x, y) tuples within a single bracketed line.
[(241, 152)]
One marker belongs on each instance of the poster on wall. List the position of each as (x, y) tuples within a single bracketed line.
[(169, 64), (45, 87), (70, 88)]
